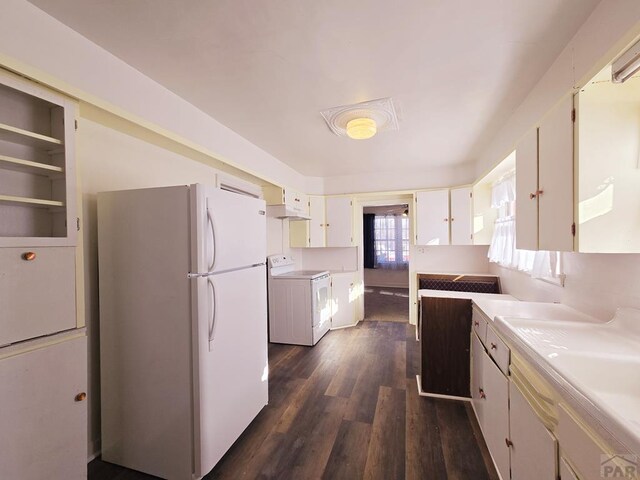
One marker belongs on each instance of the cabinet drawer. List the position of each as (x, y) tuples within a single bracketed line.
[(479, 325), (498, 350), (579, 446), (38, 296)]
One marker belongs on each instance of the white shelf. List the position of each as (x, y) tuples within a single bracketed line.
[(25, 137), (35, 202), (38, 168)]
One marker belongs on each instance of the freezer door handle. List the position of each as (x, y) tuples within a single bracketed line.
[(212, 302), (213, 238)]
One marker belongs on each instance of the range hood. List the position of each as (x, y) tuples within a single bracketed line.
[(285, 211)]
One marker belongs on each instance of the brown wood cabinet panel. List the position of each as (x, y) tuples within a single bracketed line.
[(445, 361)]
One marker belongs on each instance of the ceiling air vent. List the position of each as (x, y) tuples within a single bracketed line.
[(381, 111)]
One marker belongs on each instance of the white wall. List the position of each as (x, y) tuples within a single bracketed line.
[(108, 160), (334, 259), (612, 26), (39, 46), (395, 181), (382, 277), (596, 284)]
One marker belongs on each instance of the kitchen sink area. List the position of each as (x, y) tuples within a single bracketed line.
[(597, 363)]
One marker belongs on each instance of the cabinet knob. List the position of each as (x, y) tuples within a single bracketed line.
[(535, 194), (494, 346), (446, 219), (28, 256), (476, 324), (508, 442), (452, 219), (326, 224), (482, 394), (81, 397)]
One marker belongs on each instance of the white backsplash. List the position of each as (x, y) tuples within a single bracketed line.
[(596, 284)]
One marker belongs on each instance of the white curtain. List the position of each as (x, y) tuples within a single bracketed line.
[(503, 249), (504, 190)]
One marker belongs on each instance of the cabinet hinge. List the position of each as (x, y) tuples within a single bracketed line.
[(75, 123), (573, 115), (470, 194), (573, 229), (351, 203), (78, 223)]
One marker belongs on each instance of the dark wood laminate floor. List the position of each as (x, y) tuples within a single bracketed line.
[(349, 409)]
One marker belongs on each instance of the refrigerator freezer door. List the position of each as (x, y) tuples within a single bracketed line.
[(230, 230), (230, 364)]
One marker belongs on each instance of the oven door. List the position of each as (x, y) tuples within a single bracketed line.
[(321, 303)]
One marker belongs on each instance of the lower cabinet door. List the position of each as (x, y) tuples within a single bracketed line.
[(495, 415), (343, 312), (43, 421), (477, 386), (534, 450)]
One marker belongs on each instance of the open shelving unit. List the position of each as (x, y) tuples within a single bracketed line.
[(37, 174)]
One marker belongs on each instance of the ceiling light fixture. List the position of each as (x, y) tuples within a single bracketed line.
[(361, 128), (362, 120)]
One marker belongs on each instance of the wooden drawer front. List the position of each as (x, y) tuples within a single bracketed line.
[(479, 325), (498, 350), (38, 296), (579, 447)]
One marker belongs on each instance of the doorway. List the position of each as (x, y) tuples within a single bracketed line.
[(386, 244)]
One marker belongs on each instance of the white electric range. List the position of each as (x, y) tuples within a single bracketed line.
[(299, 302)]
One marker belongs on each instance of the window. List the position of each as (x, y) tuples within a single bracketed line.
[(503, 251), (391, 237)]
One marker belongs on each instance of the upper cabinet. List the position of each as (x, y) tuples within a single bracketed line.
[(608, 167), (544, 183), (339, 221), (443, 217), (331, 224), (37, 167), (311, 233), (294, 200)]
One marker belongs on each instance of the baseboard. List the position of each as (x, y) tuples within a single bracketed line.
[(346, 326), (94, 450), (437, 395), (386, 286)]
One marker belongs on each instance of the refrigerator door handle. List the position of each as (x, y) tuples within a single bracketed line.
[(213, 239), (212, 316)]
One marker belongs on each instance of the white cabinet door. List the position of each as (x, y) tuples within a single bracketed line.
[(477, 387), (339, 215), (296, 200), (461, 216), (526, 188), (317, 223), (37, 296), (343, 307), (432, 217), (43, 426), (555, 178), (495, 416), (534, 449)]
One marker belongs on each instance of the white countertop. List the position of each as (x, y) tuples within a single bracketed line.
[(593, 364), (464, 295), (515, 308)]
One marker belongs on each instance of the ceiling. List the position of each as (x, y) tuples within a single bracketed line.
[(456, 69)]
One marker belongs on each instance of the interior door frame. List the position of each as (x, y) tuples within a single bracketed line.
[(379, 200)]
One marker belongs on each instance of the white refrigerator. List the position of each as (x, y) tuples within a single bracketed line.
[(183, 325)]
